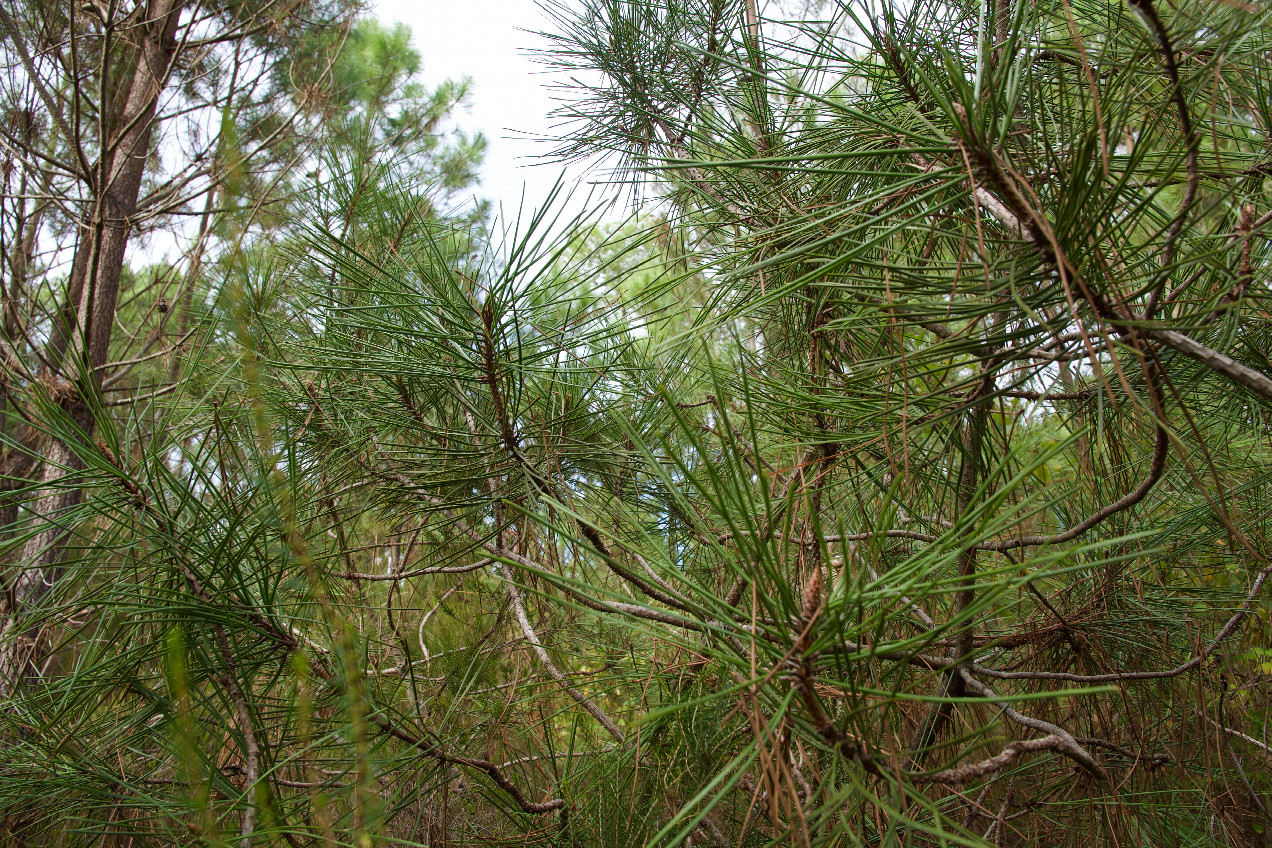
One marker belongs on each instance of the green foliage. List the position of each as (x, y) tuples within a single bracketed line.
[(902, 479)]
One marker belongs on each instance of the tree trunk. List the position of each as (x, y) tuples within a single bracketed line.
[(89, 312)]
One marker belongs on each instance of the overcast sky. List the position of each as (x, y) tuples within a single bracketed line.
[(490, 41)]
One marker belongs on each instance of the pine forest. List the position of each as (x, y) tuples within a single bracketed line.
[(872, 447)]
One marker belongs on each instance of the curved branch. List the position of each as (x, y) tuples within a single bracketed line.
[(526, 630), (434, 569), (430, 750), (963, 774), (1224, 633), (1070, 749), (1161, 446)]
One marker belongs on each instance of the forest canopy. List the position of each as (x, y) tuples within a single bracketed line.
[(896, 473)]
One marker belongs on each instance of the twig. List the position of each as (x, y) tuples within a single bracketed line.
[(1070, 749), (582, 700), (963, 774), (1114, 677), (251, 751), (435, 569), (1267, 751)]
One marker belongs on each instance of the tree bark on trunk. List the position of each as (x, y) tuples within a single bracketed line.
[(84, 341)]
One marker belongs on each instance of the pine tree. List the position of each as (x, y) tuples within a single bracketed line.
[(897, 478), (125, 124)]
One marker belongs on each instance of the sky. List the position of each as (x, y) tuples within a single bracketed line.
[(512, 97)]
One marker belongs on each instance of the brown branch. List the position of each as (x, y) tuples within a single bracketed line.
[(433, 569), (1153, 760), (803, 680), (1027, 395), (1071, 748), (1224, 633), (970, 772), (1191, 138)]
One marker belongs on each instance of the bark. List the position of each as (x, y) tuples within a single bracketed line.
[(81, 345)]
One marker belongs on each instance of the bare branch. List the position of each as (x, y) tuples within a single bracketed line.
[(582, 700), (1070, 749)]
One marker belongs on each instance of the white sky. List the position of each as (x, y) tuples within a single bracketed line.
[(511, 102)]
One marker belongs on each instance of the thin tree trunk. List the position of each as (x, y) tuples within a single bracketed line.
[(89, 310)]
